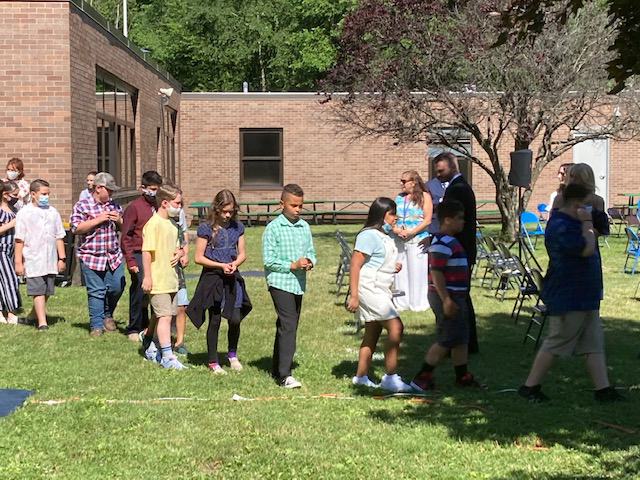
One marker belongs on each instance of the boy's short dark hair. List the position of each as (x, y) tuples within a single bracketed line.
[(92, 172), (292, 189), (575, 192), (449, 209), (151, 179), (448, 157), (37, 184)]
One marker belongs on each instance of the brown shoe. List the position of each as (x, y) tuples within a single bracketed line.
[(110, 325), (134, 337), (96, 332)]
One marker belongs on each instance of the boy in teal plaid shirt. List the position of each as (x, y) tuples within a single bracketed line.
[(287, 254)]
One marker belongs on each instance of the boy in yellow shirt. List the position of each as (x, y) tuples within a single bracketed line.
[(161, 252)]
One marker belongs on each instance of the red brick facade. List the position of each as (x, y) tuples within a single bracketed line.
[(49, 52)]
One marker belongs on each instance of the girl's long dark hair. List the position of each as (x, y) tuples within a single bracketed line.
[(377, 211)]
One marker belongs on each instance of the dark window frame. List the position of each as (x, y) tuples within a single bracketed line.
[(116, 136), (279, 158)]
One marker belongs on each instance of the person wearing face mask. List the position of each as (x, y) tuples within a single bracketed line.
[(15, 173), (10, 299), (97, 221), (136, 215), (374, 264), (161, 252), (39, 250), (179, 221)]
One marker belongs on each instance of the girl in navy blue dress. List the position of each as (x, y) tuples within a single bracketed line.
[(220, 249), (10, 299)]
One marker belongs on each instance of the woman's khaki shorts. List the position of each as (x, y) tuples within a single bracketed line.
[(164, 304), (574, 333)]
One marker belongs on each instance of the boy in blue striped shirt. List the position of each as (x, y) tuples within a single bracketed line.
[(448, 286)]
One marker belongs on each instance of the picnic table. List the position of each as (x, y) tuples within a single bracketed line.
[(271, 208), (480, 212)]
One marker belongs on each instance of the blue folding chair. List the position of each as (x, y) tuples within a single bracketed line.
[(530, 227), (633, 250), (542, 212)]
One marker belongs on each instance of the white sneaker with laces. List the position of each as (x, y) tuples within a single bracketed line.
[(290, 382), (364, 380), (152, 353), (217, 370), (394, 383), (172, 363), (235, 364)]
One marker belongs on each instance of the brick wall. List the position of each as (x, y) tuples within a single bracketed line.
[(49, 52), (35, 105), (328, 165)]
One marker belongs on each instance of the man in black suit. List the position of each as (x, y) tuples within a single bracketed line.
[(447, 171)]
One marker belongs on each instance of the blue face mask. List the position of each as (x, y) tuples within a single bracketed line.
[(43, 201), (386, 228)]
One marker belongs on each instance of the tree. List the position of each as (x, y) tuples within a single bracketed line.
[(426, 71), (528, 18), (274, 45)]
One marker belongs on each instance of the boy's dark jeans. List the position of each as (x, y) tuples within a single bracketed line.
[(138, 300), (287, 307)]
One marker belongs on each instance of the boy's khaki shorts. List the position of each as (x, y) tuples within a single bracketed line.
[(164, 304), (574, 333)]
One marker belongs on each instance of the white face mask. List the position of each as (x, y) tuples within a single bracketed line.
[(149, 193), (43, 200), (173, 211), (11, 175)]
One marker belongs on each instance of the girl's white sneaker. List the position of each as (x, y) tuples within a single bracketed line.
[(364, 380)]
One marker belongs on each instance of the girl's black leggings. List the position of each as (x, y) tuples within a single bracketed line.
[(215, 318)]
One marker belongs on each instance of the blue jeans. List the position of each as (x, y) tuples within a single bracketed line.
[(104, 289)]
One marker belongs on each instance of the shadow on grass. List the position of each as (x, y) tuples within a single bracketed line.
[(265, 364), (573, 419)]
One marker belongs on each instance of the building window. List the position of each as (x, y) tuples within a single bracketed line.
[(464, 147), (116, 104), (260, 158), (168, 146)]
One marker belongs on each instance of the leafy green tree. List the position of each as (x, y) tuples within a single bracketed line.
[(274, 45), (427, 71), (528, 18)]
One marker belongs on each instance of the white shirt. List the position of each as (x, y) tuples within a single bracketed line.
[(39, 228), (86, 193)]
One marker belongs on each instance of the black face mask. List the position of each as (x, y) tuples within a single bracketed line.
[(12, 201)]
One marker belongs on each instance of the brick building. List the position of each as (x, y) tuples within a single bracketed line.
[(63, 67), (76, 96)]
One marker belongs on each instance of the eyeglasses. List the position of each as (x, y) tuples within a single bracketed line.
[(403, 181)]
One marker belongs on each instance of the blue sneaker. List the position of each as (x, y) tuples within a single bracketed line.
[(152, 353), (172, 363)]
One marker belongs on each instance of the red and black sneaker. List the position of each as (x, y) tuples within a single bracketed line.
[(467, 380), (423, 382)]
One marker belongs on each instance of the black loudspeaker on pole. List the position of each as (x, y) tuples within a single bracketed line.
[(520, 174)]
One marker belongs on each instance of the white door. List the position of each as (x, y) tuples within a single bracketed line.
[(595, 153)]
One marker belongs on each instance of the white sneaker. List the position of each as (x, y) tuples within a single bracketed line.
[(394, 383), (364, 380), (290, 382), (172, 363), (152, 353), (217, 370), (235, 364)]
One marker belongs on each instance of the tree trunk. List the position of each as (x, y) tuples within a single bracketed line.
[(507, 201)]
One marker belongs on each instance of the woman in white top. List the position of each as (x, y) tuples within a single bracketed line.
[(373, 266), (86, 193), (415, 209), (15, 173), (563, 172)]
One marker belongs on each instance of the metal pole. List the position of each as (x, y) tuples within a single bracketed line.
[(125, 29)]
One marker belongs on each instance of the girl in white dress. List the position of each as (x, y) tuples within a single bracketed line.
[(373, 267)]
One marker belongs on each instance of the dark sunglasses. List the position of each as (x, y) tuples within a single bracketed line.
[(402, 181)]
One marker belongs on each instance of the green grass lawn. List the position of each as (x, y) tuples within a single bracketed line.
[(111, 426)]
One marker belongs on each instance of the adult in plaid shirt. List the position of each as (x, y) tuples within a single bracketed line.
[(287, 254), (97, 220)]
